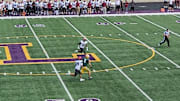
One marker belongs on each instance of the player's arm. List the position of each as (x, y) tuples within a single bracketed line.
[(79, 45), (90, 63), (86, 47)]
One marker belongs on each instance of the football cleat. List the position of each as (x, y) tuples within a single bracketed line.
[(82, 79)]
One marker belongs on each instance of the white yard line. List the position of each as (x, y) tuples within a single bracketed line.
[(140, 17), (54, 68), (96, 15), (120, 70), (176, 16), (130, 35)]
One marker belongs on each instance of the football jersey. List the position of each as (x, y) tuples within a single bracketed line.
[(83, 44), (85, 62), (74, 4), (166, 33), (56, 4), (78, 64), (15, 4)]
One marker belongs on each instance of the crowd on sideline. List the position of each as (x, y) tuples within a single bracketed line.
[(62, 7), (169, 5)]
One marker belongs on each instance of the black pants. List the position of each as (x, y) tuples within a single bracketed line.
[(164, 40)]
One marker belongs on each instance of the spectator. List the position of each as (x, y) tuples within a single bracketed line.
[(56, 6), (81, 7), (104, 7), (49, 8), (93, 6), (15, 8), (171, 6), (89, 7), (78, 8), (21, 8), (1, 9), (33, 9), (74, 7), (84, 7), (122, 4), (132, 6), (117, 4), (67, 6), (97, 5), (10, 8), (70, 7), (177, 3), (126, 6), (108, 4)]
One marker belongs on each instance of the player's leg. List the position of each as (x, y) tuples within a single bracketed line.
[(164, 39), (89, 72), (168, 42)]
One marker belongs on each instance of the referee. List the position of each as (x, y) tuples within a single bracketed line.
[(166, 38)]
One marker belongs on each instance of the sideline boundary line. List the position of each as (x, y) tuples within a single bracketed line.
[(120, 70), (157, 25), (177, 66), (45, 52), (97, 15)]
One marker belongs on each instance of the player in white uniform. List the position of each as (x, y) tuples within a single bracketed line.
[(78, 66), (83, 46), (165, 38), (15, 8), (56, 7)]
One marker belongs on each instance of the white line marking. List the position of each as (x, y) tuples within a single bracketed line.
[(120, 70), (176, 16), (5, 74), (54, 68), (167, 67), (106, 70), (43, 72), (155, 68), (158, 25), (93, 15), (177, 66)]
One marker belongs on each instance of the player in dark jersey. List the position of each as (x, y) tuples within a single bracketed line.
[(86, 63)]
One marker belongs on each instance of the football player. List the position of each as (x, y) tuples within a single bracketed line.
[(78, 66), (165, 38), (82, 47), (86, 63)]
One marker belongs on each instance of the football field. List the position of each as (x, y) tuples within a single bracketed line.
[(37, 54)]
